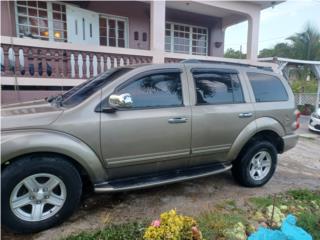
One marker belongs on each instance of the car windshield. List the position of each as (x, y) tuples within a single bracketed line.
[(81, 92)]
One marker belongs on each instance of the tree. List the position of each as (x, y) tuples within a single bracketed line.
[(304, 45), (231, 53), (279, 50)]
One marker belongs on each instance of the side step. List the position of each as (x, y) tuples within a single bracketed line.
[(133, 183)]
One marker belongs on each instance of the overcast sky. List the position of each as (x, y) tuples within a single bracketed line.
[(276, 24)]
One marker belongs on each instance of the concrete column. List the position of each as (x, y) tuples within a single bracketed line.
[(157, 29), (253, 36), (216, 35)]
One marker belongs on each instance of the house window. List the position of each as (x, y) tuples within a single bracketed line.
[(41, 20), (59, 22), (113, 31), (181, 38)]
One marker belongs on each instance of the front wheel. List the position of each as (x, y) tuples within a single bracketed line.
[(256, 165), (38, 192)]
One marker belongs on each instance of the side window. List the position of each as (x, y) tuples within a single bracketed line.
[(155, 90), (267, 88), (217, 88)]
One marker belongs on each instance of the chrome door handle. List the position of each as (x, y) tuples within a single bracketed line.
[(177, 120), (245, 115)]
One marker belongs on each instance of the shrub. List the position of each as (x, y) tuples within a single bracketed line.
[(174, 227)]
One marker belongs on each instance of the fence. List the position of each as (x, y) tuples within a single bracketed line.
[(305, 98)]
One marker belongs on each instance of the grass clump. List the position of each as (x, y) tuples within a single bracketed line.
[(311, 223), (128, 231), (216, 224)]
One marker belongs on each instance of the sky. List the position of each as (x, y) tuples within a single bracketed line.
[(276, 24)]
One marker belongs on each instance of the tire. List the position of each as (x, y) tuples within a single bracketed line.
[(50, 186), (246, 168)]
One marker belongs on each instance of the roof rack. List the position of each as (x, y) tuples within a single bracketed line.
[(190, 61), (229, 63)]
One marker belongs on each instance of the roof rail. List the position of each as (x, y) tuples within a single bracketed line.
[(190, 61), (229, 63)]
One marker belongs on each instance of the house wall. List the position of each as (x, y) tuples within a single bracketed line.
[(8, 20), (138, 14)]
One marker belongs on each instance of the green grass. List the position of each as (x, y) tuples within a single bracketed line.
[(128, 231), (305, 195), (213, 224), (311, 223), (216, 222)]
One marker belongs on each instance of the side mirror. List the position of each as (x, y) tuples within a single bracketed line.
[(120, 101)]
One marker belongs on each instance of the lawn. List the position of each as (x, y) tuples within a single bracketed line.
[(231, 221)]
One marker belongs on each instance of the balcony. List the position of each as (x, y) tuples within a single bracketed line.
[(49, 66)]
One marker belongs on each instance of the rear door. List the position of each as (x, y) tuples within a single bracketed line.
[(221, 109)]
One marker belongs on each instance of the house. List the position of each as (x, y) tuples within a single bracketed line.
[(50, 46)]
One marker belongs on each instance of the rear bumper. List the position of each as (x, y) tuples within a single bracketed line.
[(290, 141)]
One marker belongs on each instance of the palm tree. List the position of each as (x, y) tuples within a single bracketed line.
[(306, 45)]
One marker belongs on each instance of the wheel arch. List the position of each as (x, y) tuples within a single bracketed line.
[(264, 128), (21, 144)]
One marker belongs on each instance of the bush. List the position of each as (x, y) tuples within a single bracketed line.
[(173, 226), (306, 109)]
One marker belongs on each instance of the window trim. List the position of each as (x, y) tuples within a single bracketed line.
[(217, 70), (136, 77), (271, 75), (126, 28), (190, 39), (50, 19)]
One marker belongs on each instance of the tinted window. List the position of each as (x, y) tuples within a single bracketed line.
[(217, 88), (156, 90), (267, 88), (86, 89)]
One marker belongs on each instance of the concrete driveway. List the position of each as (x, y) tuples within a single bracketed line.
[(297, 168)]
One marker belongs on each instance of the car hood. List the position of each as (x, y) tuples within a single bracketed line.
[(35, 114)]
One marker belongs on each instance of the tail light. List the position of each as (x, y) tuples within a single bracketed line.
[(297, 122)]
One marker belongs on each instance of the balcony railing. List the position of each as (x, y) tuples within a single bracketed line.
[(31, 59), (40, 59)]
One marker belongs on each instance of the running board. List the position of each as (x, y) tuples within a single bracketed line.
[(134, 183)]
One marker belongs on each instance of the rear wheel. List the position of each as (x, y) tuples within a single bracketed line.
[(256, 165), (38, 192)]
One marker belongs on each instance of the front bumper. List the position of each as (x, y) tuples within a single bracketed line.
[(290, 141), (314, 124)]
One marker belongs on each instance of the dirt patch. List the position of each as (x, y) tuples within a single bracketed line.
[(297, 168)]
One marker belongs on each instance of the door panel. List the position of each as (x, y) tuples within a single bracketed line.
[(155, 133), (214, 129), (143, 141), (82, 25), (221, 109)]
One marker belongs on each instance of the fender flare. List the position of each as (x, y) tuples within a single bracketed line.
[(254, 127), (19, 143)]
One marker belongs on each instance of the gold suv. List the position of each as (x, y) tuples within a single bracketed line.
[(141, 126)]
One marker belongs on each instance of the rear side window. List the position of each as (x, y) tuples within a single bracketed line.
[(267, 88), (217, 87), (155, 90)]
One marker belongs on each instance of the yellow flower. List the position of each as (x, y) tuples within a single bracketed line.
[(173, 227)]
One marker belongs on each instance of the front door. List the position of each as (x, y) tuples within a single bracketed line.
[(221, 110), (154, 134), (82, 25)]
